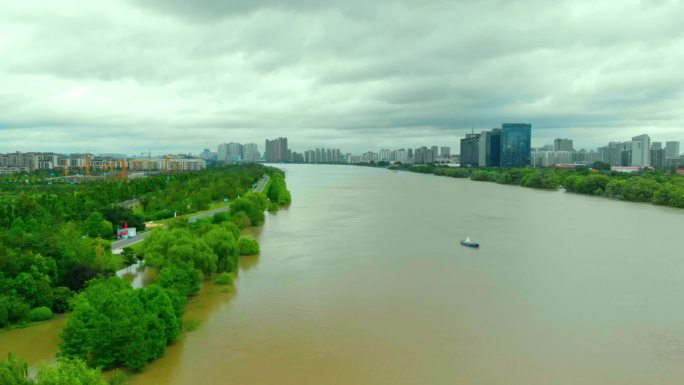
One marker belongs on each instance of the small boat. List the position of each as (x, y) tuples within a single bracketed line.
[(467, 242)]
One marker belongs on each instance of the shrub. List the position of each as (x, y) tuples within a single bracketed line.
[(114, 325), (220, 218), (192, 324), (277, 190), (14, 370), (69, 371), (248, 246), (129, 257), (186, 281), (233, 228), (241, 220), (12, 310), (61, 299), (224, 279), (40, 314), (118, 378)]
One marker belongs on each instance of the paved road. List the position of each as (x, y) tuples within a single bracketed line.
[(262, 184), (141, 236), (208, 214), (130, 241)]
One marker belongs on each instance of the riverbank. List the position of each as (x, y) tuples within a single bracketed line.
[(652, 186), (220, 243)]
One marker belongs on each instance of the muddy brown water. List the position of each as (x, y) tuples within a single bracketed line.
[(362, 281)]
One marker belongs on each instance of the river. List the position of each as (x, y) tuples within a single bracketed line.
[(362, 281)]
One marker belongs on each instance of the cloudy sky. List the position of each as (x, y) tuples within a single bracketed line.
[(178, 75)]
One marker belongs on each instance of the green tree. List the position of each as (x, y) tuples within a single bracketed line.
[(61, 298), (69, 372), (248, 246), (40, 314), (97, 226), (159, 320), (111, 325), (224, 279), (186, 281), (14, 371), (241, 219), (601, 166), (223, 243), (253, 204), (179, 247), (129, 256)]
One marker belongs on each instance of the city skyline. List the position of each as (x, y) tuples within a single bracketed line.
[(237, 150), (391, 72)]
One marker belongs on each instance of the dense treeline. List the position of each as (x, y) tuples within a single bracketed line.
[(114, 325), (277, 190), (15, 371), (53, 235), (160, 196), (655, 186)]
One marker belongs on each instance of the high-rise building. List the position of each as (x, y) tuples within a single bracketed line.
[(562, 158), (384, 155), (400, 156), (489, 151), (435, 153), (297, 157), (419, 155), (516, 139), (579, 156), (445, 152), (626, 154), (277, 151), (657, 157), (206, 154), (611, 154), (672, 150), (250, 152), (593, 156), (656, 145), (470, 150), (409, 155), (640, 151), (542, 158), (369, 157), (320, 155), (234, 151), (562, 145), (431, 155), (223, 152)]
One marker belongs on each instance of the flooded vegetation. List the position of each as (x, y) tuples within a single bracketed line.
[(363, 280)]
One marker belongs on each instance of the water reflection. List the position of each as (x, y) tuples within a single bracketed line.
[(248, 262), (138, 275)]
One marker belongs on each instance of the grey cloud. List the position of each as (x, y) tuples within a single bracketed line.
[(186, 75)]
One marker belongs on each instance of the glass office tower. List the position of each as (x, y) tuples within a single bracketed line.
[(516, 139)]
